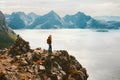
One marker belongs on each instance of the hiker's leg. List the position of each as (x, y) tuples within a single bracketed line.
[(50, 48)]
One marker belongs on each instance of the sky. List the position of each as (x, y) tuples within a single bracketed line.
[(63, 7)]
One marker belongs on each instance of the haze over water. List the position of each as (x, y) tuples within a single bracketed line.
[(98, 52)]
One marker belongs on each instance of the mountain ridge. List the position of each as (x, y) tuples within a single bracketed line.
[(108, 18), (52, 20)]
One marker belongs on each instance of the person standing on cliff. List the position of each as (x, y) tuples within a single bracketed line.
[(49, 42)]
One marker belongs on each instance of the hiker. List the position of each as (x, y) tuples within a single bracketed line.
[(49, 42)]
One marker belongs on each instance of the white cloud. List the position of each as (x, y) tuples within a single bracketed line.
[(62, 7)]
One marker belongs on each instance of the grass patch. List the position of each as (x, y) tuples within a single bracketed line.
[(6, 40)]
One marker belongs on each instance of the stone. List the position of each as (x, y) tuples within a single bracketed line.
[(2, 76), (24, 62), (36, 56), (41, 67), (21, 62), (54, 77)]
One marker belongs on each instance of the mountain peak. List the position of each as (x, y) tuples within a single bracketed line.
[(79, 13), (31, 13), (52, 12), (18, 13), (2, 16), (0, 12)]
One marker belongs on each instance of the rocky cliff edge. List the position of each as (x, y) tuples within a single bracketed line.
[(22, 63)]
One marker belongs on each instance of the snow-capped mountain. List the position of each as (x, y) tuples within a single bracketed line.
[(47, 21), (31, 17), (18, 20), (79, 20), (113, 22)]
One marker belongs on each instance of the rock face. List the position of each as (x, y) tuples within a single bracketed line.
[(22, 63), (7, 36)]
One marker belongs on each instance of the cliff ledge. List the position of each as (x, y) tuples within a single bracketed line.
[(22, 63)]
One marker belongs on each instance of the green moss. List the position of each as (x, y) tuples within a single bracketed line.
[(13, 36), (6, 41)]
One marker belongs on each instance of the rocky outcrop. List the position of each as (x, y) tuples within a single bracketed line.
[(22, 63), (19, 47)]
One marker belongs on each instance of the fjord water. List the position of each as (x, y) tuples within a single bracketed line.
[(98, 52)]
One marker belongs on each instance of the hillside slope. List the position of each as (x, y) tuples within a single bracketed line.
[(7, 36)]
